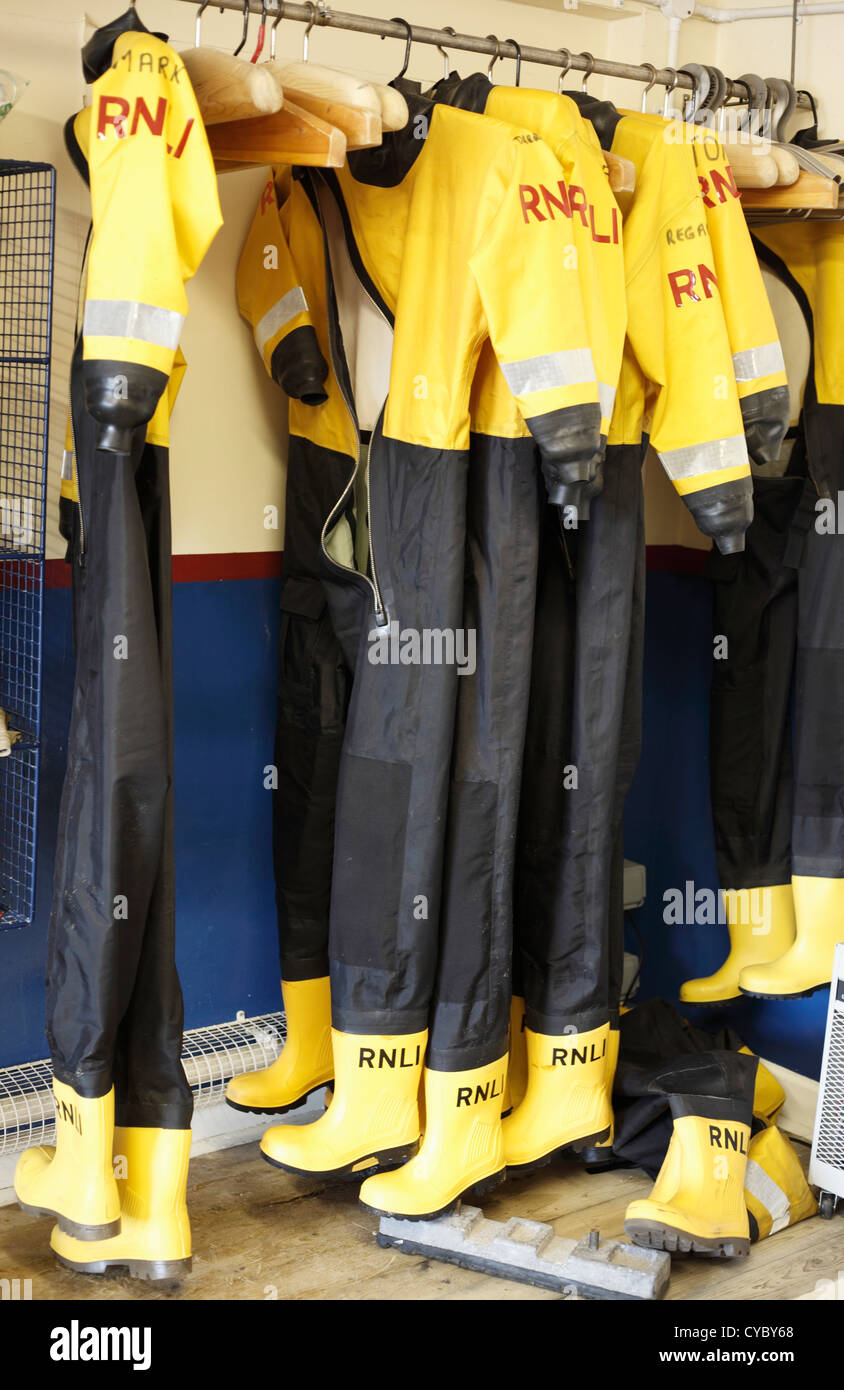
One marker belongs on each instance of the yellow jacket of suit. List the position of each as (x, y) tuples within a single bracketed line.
[(758, 362), (681, 387), (141, 146)]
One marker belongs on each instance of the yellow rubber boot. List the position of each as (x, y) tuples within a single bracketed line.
[(462, 1149), (613, 1047), (697, 1205), (373, 1119), (768, 1094), (807, 964), (305, 1062), (566, 1102), (74, 1182), (752, 942), (776, 1192), (517, 1062), (154, 1240)]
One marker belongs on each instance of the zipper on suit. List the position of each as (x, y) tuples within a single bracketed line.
[(382, 617), (80, 296), (78, 487)]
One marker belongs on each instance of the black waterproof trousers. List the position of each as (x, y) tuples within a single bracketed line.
[(421, 914), (392, 791), (780, 609), (754, 621), (471, 1009), (114, 1003), (313, 696), (581, 751)]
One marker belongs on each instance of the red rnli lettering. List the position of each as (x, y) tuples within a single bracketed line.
[(551, 200), (268, 196), (683, 282), (530, 201), (567, 200), (596, 236), (707, 279), (721, 186), (117, 118), (155, 124), (724, 184), (579, 203), (180, 148)]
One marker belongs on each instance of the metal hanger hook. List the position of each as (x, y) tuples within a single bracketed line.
[(652, 82), (245, 27), (668, 90), (306, 42), (279, 17), (518, 49), (590, 69), (496, 55), (446, 61), (563, 70), (408, 41), (198, 24)]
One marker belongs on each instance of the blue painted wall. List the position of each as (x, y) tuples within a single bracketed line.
[(226, 636)]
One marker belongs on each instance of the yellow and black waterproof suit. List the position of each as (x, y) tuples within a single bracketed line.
[(777, 815), (434, 232), (758, 363), (114, 1004), (288, 315), (588, 574), (679, 381)]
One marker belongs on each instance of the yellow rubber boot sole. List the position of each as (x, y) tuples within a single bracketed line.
[(761, 926), (462, 1150), (566, 1105), (155, 1239), (373, 1119), (697, 1204), (305, 1062), (74, 1183)]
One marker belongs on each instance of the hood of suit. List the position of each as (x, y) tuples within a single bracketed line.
[(96, 55)]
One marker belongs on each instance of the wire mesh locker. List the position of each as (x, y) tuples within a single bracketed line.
[(27, 221)]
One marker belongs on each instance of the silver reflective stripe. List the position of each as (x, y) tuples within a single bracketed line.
[(705, 458), (755, 362), (571, 368), (606, 395), (282, 312), (67, 465), (128, 318), (765, 1190)]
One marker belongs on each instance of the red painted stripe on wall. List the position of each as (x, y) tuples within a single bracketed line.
[(204, 569), (195, 569)]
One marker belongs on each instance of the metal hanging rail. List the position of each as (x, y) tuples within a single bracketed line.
[(323, 15)]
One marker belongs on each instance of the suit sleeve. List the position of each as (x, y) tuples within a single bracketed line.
[(758, 361), (271, 298), (677, 331), (528, 281), (155, 211)]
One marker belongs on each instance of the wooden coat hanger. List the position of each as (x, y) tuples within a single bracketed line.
[(227, 88), (344, 101)]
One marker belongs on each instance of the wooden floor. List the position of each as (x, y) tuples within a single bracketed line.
[(260, 1234)]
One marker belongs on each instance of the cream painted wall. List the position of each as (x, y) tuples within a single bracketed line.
[(228, 440)]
